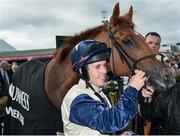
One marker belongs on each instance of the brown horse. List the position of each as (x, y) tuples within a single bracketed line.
[(129, 52), (38, 89)]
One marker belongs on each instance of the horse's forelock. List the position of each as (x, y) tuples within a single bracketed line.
[(125, 21)]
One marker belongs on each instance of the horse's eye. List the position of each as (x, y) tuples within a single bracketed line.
[(127, 41)]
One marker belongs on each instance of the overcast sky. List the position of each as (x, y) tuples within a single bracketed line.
[(34, 24)]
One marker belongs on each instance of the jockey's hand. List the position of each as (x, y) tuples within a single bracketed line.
[(147, 91), (138, 80)]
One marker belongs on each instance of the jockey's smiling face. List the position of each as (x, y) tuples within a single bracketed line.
[(97, 73)]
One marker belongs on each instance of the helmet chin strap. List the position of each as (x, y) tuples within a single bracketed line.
[(84, 73), (88, 85)]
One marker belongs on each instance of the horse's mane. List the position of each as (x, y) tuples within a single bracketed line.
[(88, 34), (71, 41)]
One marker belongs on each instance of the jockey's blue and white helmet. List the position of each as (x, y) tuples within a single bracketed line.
[(88, 51)]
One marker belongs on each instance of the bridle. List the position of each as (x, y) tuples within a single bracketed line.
[(124, 56)]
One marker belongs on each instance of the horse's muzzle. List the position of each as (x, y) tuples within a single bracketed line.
[(157, 82)]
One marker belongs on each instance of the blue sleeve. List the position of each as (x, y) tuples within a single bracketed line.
[(99, 116)]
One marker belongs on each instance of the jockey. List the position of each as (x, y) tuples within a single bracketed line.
[(85, 109)]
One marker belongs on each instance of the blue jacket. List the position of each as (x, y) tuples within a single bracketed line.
[(84, 114)]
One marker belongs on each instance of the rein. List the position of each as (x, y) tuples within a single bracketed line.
[(124, 56)]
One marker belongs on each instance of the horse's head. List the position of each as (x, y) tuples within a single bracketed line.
[(129, 49)]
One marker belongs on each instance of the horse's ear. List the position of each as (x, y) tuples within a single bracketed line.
[(115, 15), (130, 13)]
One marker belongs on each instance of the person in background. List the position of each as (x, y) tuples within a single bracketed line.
[(140, 125), (153, 39), (14, 66), (156, 126), (5, 77), (5, 80), (86, 109)]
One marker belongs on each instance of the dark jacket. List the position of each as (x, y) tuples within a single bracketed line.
[(3, 90), (166, 106)]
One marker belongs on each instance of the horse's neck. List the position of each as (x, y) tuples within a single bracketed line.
[(59, 78)]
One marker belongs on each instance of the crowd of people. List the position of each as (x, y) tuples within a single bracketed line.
[(6, 72), (86, 108)]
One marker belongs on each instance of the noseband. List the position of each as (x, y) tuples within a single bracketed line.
[(131, 62)]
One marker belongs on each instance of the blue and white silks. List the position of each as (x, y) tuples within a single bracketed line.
[(84, 114)]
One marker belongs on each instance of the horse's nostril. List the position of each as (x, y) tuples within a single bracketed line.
[(157, 83)]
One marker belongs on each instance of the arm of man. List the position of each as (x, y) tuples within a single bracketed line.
[(99, 116)]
